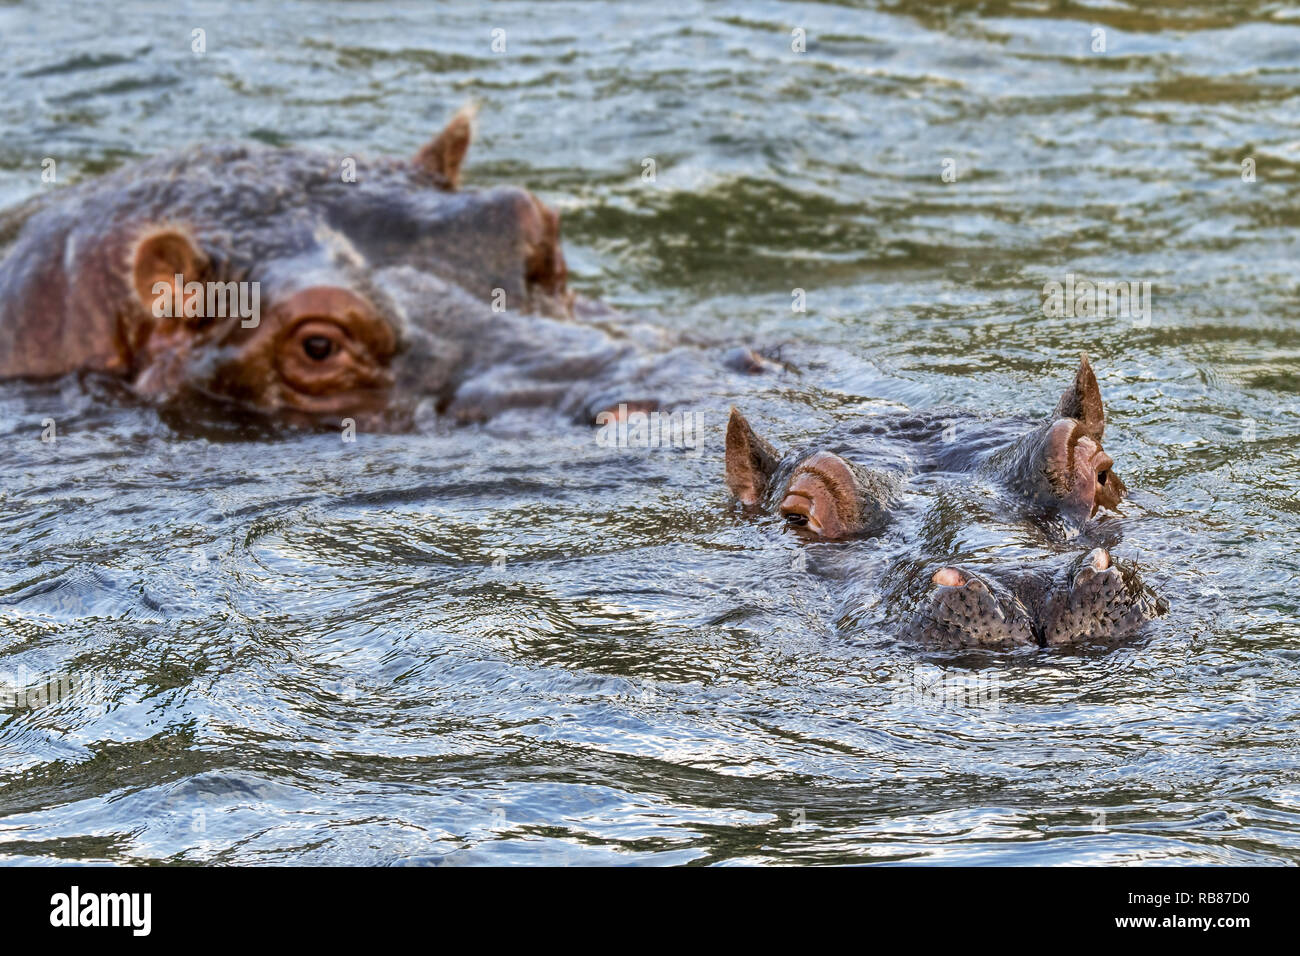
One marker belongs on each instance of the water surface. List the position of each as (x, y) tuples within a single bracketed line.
[(508, 644)]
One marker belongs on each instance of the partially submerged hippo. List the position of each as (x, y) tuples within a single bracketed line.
[(370, 295), (1061, 600), (1052, 474)]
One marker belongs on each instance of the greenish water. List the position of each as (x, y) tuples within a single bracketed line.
[(511, 645)]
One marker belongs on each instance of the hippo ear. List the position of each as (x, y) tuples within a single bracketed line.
[(750, 460), (1082, 401), (442, 157), (160, 256)]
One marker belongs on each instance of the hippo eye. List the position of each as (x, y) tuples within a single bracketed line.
[(318, 347), (1102, 475)]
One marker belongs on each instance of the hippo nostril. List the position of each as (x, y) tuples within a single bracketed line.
[(1103, 464), (797, 509)]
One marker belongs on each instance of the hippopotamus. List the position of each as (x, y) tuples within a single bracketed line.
[(269, 280), (1036, 489), (1083, 597)]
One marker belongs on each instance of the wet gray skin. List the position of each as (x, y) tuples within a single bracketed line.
[(375, 295), (940, 479), (959, 608), (820, 491), (1067, 599), (1055, 466)]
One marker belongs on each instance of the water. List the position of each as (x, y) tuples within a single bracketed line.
[(501, 644)]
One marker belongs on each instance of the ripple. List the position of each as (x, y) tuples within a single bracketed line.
[(508, 645)]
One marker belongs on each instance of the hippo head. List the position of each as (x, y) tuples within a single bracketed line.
[(821, 493), (372, 293), (1060, 464), (283, 281)]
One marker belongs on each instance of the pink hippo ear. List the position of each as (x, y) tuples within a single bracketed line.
[(443, 155), (1082, 402), (160, 256), (750, 460)]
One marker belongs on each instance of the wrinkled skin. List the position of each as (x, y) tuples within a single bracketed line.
[(1053, 475), (1081, 598), (1060, 465), (375, 295), (821, 492), (1057, 466)]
